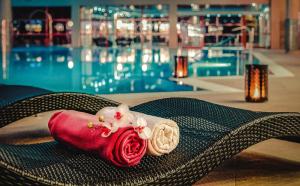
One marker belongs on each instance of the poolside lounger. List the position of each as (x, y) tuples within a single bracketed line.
[(210, 134)]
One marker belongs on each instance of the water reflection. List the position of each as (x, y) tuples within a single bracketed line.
[(108, 70)]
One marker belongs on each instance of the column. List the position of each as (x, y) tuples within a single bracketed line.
[(277, 23), (294, 16), (5, 20), (75, 17), (173, 41)]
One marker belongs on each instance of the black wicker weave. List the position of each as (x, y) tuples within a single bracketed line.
[(210, 134)]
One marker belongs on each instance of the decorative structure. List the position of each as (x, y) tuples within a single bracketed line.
[(181, 67), (256, 83)]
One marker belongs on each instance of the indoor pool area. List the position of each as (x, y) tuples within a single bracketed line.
[(117, 70), (150, 92)]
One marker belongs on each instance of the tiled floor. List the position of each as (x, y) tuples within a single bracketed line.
[(273, 162)]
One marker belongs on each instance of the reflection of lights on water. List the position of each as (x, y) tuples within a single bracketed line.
[(218, 72), (152, 74), (17, 57), (207, 73), (147, 55), (132, 85), (84, 86), (86, 55), (144, 67), (110, 80), (97, 89), (111, 89), (39, 59), (180, 82), (70, 64), (161, 74), (119, 67), (92, 84), (119, 59), (60, 59), (147, 87), (156, 58), (159, 81), (130, 58), (127, 75)]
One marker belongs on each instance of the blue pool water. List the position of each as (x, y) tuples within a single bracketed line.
[(109, 71)]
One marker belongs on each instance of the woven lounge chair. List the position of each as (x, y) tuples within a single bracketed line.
[(210, 134)]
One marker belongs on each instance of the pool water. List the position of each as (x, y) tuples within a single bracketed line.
[(110, 70)]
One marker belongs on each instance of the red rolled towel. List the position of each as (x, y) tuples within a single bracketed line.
[(122, 147)]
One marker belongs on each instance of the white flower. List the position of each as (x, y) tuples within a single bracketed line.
[(120, 116), (140, 126)]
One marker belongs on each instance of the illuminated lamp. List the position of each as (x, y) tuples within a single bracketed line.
[(181, 66), (256, 83)]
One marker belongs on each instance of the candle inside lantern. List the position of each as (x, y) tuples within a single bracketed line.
[(181, 66), (256, 83)]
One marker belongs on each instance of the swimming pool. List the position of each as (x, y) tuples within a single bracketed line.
[(111, 70)]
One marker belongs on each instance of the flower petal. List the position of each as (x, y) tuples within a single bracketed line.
[(114, 128), (105, 134), (141, 122), (146, 133), (123, 108)]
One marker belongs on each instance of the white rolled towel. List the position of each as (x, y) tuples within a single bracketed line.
[(164, 132)]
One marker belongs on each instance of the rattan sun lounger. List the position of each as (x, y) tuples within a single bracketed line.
[(210, 134)]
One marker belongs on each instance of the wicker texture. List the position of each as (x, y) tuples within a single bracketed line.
[(210, 134)]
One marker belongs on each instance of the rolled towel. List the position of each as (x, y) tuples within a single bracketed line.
[(164, 132), (122, 147)]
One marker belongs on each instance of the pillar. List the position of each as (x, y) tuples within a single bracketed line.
[(173, 40), (75, 17), (5, 20), (294, 16), (277, 23)]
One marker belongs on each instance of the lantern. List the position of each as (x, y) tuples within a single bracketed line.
[(256, 83), (181, 66)]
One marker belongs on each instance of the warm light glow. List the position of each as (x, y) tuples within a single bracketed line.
[(159, 6), (256, 93), (256, 82), (180, 73), (181, 66)]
